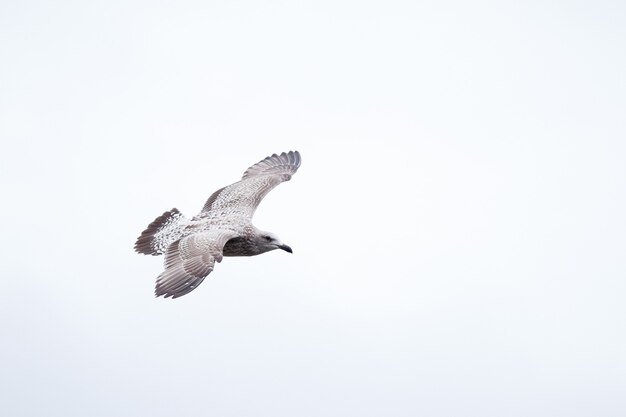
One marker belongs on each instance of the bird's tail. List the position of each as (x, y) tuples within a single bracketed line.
[(164, 230)]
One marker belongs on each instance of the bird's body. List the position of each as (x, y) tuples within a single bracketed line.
[(223, 228)]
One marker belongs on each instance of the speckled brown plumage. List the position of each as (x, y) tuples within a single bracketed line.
[(222, 228)]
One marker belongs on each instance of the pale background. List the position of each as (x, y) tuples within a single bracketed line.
[(457, 222)]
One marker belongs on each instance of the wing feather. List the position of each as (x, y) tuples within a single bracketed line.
[(243, 197), (189, 260), (285, 163)]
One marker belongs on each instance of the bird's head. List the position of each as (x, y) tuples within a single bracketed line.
[(267, 241)]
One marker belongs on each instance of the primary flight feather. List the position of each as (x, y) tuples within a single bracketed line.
[(223, 228)]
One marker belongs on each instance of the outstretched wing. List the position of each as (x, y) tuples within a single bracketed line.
[(242, 198), (189, 260)]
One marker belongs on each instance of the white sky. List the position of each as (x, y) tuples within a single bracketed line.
[(457, 222)]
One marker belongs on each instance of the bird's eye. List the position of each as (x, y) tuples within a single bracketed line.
[(267, 238)]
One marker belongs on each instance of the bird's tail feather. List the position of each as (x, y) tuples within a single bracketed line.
[(165, 229)]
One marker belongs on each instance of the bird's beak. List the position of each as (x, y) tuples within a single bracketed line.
[(285, 248)]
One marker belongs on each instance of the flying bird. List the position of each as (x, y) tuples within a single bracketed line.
[(223, 228)]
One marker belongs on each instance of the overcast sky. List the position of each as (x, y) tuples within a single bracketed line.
[(457, 222)]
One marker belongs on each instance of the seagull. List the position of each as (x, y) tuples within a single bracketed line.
[(223, 228)]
